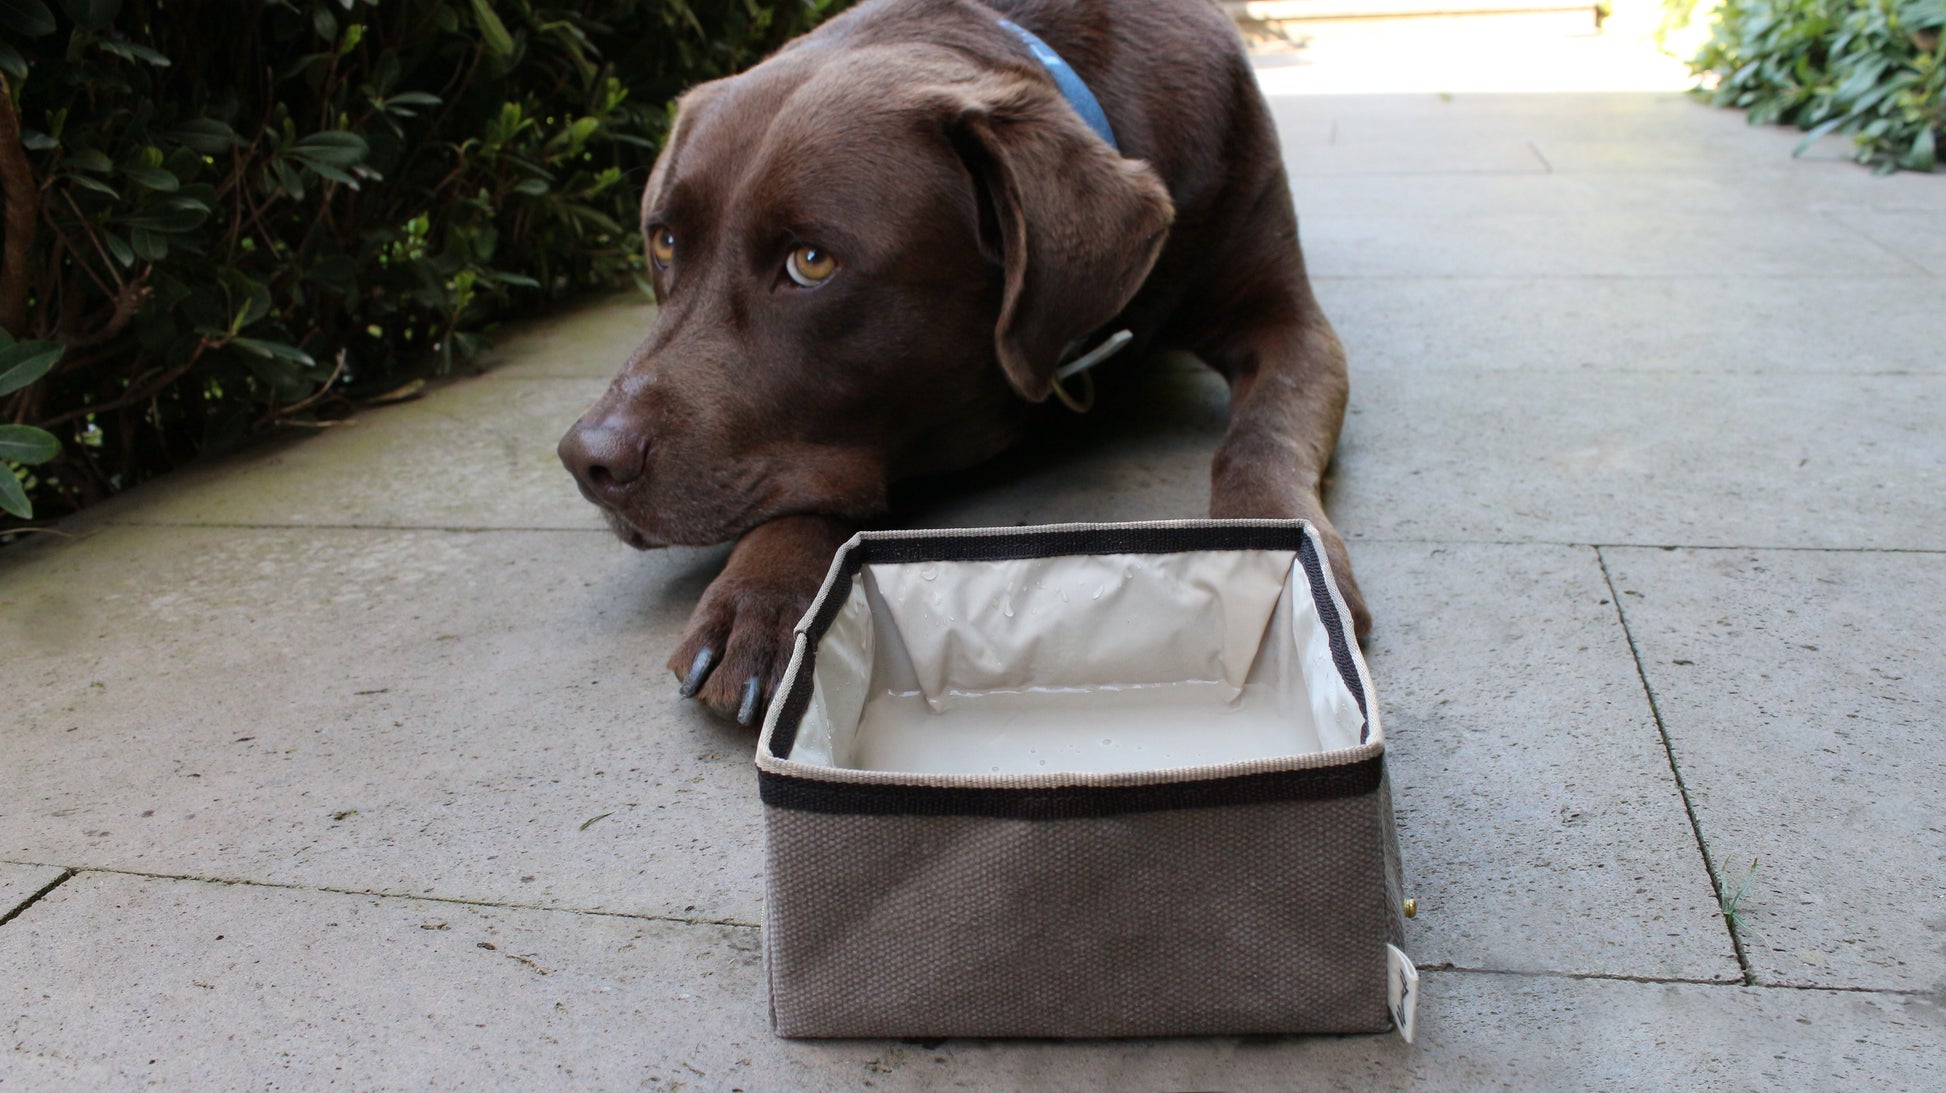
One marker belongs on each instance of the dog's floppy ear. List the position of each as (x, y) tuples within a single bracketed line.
[(1073, 225), (692, 104)]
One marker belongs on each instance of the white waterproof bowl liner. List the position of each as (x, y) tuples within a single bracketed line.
[(1096, 663)]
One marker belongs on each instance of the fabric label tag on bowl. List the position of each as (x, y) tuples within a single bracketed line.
[(1401, 990)]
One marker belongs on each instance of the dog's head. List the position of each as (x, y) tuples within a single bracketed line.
[(868, 261)]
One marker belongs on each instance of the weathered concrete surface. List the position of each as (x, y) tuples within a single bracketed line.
[(1830, 193), (445, 461), (475, 452), (1803, 696), (1638, 324), (190, 985), (1593, 241), (398, 711), (396, 677), (1910, 233), (1661, 458), (454, 748), (1540, 828)]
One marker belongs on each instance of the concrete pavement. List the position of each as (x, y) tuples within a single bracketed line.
[(351, 762)]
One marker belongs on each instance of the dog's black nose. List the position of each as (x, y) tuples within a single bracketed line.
[(603, 458)]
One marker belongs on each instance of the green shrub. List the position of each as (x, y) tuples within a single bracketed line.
[(1872, 68), (225, 215)]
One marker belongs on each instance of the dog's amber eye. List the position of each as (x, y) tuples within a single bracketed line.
[(662, 246), (810, 266)]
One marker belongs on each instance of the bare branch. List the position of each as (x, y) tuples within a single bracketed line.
[(23, 210), (128, 300), (277, 414)]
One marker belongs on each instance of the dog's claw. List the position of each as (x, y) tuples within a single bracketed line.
[(752, 691), (698, 672)]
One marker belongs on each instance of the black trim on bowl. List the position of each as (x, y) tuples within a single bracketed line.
[(994, 546), (1068, 802), (1335, 629)]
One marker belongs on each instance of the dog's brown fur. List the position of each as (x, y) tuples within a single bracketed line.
[(979, 227)]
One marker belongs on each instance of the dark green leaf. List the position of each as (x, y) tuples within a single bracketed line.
[(205, 135), (134, 51), (150, 246), (332, 173), (93, 15), (333, 147), (119, 248), (492, 31), (155, 178), (96, 185), (26, 444), (28, 18), (1923, 155), (12, 498), (289, 180), (91, 159), (24, 362), (171, 214), (11, 62), (276, 350), (1811, 137)]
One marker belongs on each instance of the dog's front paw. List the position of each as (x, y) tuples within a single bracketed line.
[(740, 636), (737, 645)]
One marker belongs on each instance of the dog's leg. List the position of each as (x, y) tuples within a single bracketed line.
[(739, 638), (1287, 400), (1286, 372)]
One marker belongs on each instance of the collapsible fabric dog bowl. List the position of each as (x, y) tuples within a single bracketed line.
[(1080, 780)]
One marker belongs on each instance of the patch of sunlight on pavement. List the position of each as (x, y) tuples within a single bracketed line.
[(1471, 54)]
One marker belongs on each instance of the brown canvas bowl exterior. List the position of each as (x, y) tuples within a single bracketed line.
[(1240, 898)]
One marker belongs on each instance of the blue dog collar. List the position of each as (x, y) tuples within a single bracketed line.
[(1073, 88)]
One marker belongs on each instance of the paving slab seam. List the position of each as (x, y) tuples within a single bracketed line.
[(1779, 549), (1935, 995), (1920, 274), (232, 882), (1901, 992), (9, 916), (164, 524), (1668, 747), (1354, 537), (1332, 176), (1846, 278), (1585, 370), (1616, 977), (1862, 234)]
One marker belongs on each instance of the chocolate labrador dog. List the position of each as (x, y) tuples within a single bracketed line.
[(873, 250)]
